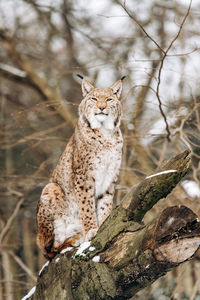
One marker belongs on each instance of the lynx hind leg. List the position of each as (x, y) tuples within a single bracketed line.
[(51, 195), (104, 205)]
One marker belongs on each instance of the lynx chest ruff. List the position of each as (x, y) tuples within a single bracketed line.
[(107, 170)]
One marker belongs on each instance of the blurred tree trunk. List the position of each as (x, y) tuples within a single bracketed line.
[(126, 255), (7, 276), (29, 246)]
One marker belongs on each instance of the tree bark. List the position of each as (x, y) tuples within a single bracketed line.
[(127, 255)]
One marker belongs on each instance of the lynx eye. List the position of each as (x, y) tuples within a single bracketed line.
[(93, 98), (108, 99)]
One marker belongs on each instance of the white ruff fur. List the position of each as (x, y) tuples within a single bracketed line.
[(105, 172), (101, 121)]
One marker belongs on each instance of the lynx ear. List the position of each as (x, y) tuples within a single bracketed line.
[(86, 87), (117, 88)]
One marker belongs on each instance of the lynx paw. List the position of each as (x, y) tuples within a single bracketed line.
[(91, 233)]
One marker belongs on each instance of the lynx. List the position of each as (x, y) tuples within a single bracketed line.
[(79, 196)]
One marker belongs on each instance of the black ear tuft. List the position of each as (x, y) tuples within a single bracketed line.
[(123, 77), (80, 76)]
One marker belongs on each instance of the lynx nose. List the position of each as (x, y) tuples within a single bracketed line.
[(101, 105), (101, 108)]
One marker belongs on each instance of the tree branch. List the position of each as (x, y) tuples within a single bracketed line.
[(126, 255), (22, 265), (164, 55), (33, 79), (161, 67), (141, 27), (10, 220)]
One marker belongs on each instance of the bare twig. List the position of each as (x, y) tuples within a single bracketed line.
[(183, 137), (141, 27), (22, 265), (164, 53), (33, 136), (31, 76), (16, 282), (195, 289), (10, 220), (161, 67), (140, 101)]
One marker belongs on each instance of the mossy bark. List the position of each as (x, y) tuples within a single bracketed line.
[(131, 255)]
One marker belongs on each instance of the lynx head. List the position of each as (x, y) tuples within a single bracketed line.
[(101, 108)]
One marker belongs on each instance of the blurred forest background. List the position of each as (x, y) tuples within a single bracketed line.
[(43, 44)]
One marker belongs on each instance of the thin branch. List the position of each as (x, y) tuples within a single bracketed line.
[(184, 139), (33, 136), (161, 67), (180, 27), (141, 96), (10, 220), (16, 282), (165, 54), (7, 72), (195, 289), (184, 54), (49, 93), (159, 99), (22, 265), (141, 27)]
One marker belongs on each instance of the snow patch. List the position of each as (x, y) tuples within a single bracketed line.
[(96, 259), (66, 250), (81, 248), (30, 293), (43, 267), (161, 173), (91, 248), (191, 188), (57, 259)]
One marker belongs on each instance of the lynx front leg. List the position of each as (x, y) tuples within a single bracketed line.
[(104, 204), (87, 208)]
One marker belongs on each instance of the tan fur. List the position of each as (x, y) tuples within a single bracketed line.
[(80, 194)]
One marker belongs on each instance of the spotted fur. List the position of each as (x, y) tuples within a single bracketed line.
[(79, 196)]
